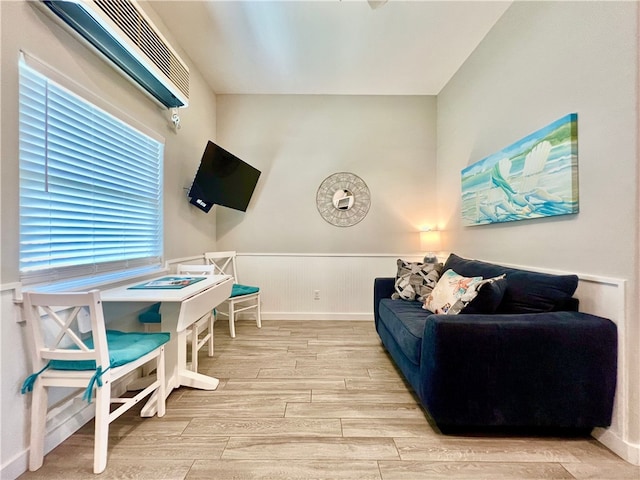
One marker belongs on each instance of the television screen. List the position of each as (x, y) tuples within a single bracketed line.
[(223, 179)]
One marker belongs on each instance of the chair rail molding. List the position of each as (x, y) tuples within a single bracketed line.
[(16, 290)]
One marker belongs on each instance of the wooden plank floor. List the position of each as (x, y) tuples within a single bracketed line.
[(314, 400)]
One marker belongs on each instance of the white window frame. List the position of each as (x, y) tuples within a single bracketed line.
[(112, 178)]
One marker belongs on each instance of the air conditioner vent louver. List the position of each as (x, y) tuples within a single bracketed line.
[(121, 32), (123, 14)]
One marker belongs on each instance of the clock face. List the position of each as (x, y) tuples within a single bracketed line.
[(343, 199)]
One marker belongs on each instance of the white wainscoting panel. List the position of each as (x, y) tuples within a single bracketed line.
[(606, 298), (344, 283)]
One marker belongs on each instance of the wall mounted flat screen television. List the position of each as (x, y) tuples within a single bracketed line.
[(223, 179)]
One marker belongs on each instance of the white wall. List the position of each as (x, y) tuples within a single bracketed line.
[(27, 28), (541, 61), (297, 141), (187, 230), (319, 287)]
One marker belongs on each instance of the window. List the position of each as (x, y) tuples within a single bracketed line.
[(90, 187)]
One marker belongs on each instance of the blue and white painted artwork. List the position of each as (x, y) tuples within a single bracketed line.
[(533, 178)]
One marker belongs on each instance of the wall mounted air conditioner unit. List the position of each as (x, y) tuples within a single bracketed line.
[(122, 32)]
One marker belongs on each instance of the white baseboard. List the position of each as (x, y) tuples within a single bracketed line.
[(63, 421), (15, 467), (67, 419), (626, 451)]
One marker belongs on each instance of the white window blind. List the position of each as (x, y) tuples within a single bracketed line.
[(90, 187)]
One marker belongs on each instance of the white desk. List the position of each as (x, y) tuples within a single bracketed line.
[(178, 308)]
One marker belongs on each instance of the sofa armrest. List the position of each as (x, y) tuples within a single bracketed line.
[(537, 368), (383, 287)]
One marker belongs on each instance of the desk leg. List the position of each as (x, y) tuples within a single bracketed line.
[(151, 407), (175, 347), (181, 360), (198, 380), (175, 354), (187, 377)]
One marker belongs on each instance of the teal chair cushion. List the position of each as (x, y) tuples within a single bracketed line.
[(124, 347), (152, 315), (239, 290)]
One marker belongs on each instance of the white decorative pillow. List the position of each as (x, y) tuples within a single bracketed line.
[(452, 293)]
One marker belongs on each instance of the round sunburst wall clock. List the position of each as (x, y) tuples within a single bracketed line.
[(343, 199)]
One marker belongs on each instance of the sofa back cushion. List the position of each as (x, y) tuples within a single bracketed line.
[(526, 291), (489, 297)]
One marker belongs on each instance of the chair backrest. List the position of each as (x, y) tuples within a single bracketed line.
[(52, 320), (203, 270), (224, 263)]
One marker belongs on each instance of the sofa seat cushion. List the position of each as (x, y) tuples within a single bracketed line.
[(405, 322), (526, 291)]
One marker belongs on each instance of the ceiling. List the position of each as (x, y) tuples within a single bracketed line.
[(329, 47)]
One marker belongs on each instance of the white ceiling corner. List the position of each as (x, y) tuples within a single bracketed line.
[(329, 47)]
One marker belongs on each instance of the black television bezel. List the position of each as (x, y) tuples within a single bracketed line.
[(203, 199)]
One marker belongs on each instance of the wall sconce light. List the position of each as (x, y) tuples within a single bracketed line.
[(430, 243)]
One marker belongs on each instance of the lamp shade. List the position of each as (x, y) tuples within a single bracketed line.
[(430, 241)]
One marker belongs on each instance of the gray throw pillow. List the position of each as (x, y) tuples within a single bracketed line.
[(414, 280)]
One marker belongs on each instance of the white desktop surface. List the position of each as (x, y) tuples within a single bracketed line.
[(126, 294), (179, 308)]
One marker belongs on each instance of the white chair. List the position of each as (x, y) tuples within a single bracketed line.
[(204, 324), (243, 297), (63, 356)]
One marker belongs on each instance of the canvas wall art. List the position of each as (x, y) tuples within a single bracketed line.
[(535, 177)]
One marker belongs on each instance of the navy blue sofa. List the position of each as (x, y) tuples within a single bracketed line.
[(525, 357)]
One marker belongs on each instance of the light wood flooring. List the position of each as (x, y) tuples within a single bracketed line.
[(314, 400)]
